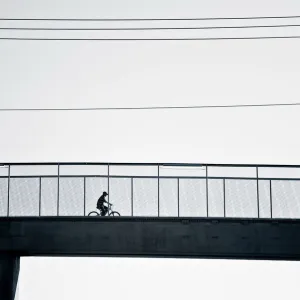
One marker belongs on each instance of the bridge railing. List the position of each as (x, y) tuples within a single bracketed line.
[(151, 190)]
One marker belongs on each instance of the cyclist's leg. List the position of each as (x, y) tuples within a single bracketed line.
[(102, 210), (106, 210)]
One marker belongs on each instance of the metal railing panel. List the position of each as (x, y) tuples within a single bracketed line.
[(192, 197), (120, 195), (216, 198), (71, 196), (168, 204), (145, 197), (151, 190), (241, 198), (49, 194), (24, 197), (286, 199), (95, 186), (264, 199), (3, 196)]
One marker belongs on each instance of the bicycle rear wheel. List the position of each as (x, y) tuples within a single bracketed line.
[(114, 214), (93, 214)]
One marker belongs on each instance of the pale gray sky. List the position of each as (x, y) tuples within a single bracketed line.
[(147, 279), (81, 74), (146, 8)]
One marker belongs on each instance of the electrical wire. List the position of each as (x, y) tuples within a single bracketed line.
[(151, 28), (150, 39), (148, 19), (148, 28), (150, 107)]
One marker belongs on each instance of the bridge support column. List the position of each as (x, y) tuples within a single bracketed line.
[(9, 273)]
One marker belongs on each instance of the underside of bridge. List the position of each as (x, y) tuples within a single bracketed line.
[(142, 237), (151, 237)]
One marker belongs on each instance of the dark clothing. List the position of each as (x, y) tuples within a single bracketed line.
[(103, 210), (100, 205), (101, 201)]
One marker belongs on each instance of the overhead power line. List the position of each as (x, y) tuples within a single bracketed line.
[(148, 19), (150, 39), (148, 28), (150, 107)]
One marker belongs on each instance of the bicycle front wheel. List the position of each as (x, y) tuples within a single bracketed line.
[(114, 214), (93, 214)]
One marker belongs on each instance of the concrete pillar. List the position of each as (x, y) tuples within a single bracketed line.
[(9, 272)]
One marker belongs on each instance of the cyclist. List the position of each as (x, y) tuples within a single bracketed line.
[(100, 204)]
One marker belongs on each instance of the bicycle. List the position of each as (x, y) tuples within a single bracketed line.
[(109, 213)]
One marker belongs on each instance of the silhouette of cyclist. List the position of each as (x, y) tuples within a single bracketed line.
[(100, 204)]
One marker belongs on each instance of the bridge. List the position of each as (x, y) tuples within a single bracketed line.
[(167, 210)]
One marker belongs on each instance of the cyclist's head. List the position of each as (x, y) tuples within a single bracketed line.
[(105, 194)]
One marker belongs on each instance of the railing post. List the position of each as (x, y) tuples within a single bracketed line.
[(224, 191), (84, 192), (158, 189), (108, 191), (206, 191), (257, 191), (178, 195), (8, 190), (58, 179), (40, 195), (271, 200), (132, 196)]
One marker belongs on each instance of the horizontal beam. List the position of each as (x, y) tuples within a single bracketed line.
[(152, 177), (146, 164), (145, 237)]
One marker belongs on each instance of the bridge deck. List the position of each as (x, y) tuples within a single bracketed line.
[(156, 237)]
